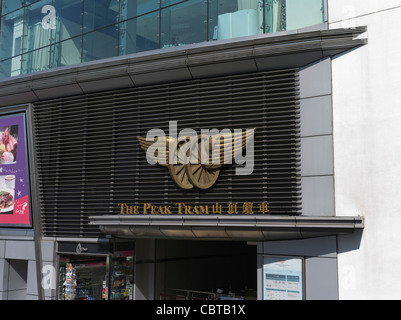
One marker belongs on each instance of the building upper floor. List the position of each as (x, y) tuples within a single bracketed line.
[(37, 35)]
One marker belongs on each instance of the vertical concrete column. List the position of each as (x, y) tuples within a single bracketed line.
[(317, 169), (49, 272), (3, 271), (144, 271)]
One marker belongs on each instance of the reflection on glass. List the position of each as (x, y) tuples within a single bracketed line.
[(282, 15), (10, 67), (86, 29), (11, 34), (100, 13), (35, 36), (122, 275), (34, 61), (166, 3), (100, 44), (68, 19), (132, 8), (139, 34), (11, 5), (232, 19), (184, 24), (5, 67), (66, 53)]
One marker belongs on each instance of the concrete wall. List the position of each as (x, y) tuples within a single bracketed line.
[(367, 150), (316, 140), (18, 279), (320, 268)]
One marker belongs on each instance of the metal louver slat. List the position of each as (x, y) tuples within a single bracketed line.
[(89, 159)]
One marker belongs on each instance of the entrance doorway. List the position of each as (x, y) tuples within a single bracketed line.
[(17, 279), (205, 270)]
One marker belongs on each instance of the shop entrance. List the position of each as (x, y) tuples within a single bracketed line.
[(107, 276), (205, 270)]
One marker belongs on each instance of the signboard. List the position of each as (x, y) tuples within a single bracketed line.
[(282, 278), (181, 208), (14, 182)]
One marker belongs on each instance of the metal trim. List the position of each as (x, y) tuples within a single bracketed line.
[(226, 227), (237, 56)]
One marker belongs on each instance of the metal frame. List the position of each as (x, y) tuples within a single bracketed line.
[(107, 256), (34, 212)]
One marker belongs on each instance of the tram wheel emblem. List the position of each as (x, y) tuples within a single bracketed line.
[(196, 161)]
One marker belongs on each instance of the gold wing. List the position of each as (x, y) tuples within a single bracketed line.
[(225, 143), (157, 150)]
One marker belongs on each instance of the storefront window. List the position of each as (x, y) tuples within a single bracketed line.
[(97, 276), (82, 278)]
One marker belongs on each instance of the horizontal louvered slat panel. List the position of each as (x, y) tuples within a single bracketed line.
[(89, 159)]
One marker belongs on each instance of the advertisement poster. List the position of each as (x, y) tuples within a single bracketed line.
[(14, 184), (282, 278)]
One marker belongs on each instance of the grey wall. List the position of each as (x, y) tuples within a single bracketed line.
[(317, 140), (144, 269), (18, 279), (320, 274), (49, 258)]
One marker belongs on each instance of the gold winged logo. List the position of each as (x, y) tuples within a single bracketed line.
[(197, 161)]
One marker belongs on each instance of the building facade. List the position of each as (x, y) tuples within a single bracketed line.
[(198, 149)]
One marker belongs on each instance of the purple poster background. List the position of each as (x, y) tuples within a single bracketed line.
[(14, 198)]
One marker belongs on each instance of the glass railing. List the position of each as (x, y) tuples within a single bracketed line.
[(35, 38)]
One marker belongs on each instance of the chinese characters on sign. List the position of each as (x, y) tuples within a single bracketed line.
[(14, 200), (183, 208)]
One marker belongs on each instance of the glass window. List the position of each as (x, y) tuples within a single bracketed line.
[(28, 2), (37, 60), (100, 13), (5, 69), (35, 36), (68, 19), (184, 24), (66, 53), (282, 15), (100, 44), (132, 8), (11, 5), (231, 19), (11, 34), (139, 34), (166, 3), (10, 67)]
